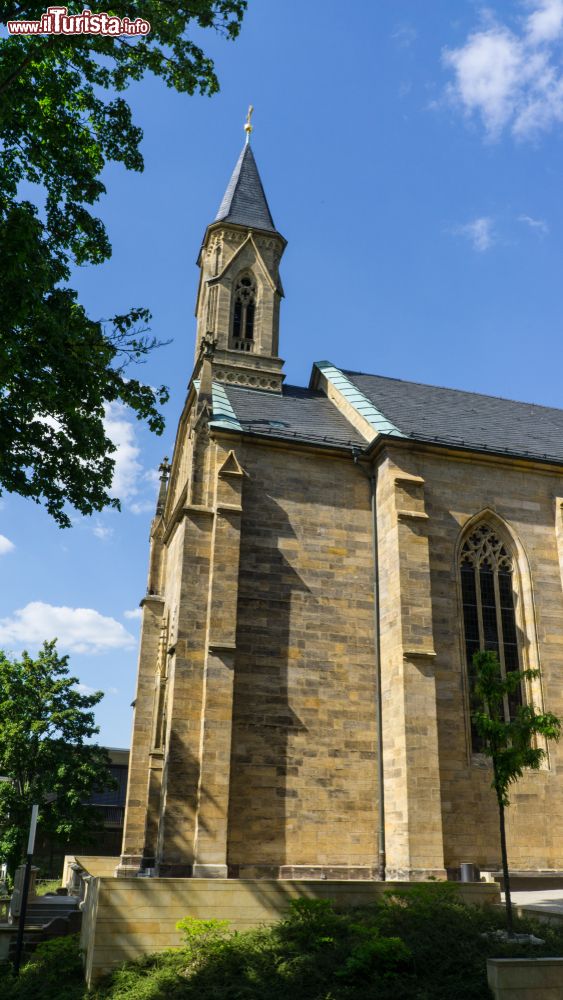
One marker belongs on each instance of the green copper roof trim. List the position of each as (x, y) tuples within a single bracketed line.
[(223, 413), (361, 403)]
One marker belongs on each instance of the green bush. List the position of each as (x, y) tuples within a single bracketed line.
[(54, 972), (387, 956), (420, 944)]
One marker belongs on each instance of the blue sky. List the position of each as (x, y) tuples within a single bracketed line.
[(411, 154)]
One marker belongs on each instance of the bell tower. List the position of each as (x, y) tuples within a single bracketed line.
[(238, 302)]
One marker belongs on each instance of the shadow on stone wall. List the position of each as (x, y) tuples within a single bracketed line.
[(263, 721)]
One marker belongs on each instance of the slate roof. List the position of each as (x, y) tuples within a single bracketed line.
[(295, 414), (244, 202), (455, 417)]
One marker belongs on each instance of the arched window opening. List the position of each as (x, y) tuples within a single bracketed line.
[(161, 684), (237, 321), (244, 313), (211, 309), (489, 615), (249, 333)]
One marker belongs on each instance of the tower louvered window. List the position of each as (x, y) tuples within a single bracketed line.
[(244, 313), (489, 618)]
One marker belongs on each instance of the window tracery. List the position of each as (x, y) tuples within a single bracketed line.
[(489, 615), (244, 313)]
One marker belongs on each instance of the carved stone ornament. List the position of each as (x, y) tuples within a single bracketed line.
[(484, 548)]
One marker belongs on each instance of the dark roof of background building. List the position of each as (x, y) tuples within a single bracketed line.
[(295, 413), (244, 202), (453, 416)]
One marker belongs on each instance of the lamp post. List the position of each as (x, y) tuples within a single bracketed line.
[(25, 889)]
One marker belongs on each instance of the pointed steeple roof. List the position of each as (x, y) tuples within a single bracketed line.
[(244, 202)]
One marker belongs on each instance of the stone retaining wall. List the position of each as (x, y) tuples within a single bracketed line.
[(127, 917)]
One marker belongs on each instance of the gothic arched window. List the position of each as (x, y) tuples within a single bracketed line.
[(489, 616), (243, 313)]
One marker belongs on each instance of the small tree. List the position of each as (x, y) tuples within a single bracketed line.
[(44, 723), (510, 743)]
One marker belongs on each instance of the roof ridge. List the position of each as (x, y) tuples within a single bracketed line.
[(448, 388)]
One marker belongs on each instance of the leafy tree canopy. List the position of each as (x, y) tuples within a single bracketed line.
[(62, 119), (45, 722), (510, 740)]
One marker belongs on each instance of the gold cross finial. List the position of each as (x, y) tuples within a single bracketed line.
[(248, 125)]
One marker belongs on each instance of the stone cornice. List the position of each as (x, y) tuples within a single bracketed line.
[(151, 599), (460, 453)]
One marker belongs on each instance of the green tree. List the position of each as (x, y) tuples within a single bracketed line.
[(511, 743), (45, 722), (62, 119)]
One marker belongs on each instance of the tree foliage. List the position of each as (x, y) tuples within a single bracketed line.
[(417, 944), (63, 117), (511, 743), (45, 722)]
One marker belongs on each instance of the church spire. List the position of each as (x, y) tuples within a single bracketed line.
[(244, 202), (239, 295)]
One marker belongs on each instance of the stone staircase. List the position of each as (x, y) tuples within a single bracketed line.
[(46, 917), (42, 909)]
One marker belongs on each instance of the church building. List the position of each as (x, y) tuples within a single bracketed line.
[(324, 562)]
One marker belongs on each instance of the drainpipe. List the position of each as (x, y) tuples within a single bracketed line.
[(377, 660)]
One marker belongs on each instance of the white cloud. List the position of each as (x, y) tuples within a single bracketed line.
[(152, 476), (102, 531), (78, 630), (136, 613), (404, 35), (487, 72), (545, 24), (128, 470), (85, 689), (6, 545), (540, 225), (480, 233), (131, 481), (142, 506), (512, 78)]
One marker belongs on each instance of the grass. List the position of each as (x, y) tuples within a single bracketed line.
[(43, 886), (424, 944)]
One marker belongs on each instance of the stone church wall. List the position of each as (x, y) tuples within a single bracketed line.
[(269, 745), (525, 499), (303, 769)]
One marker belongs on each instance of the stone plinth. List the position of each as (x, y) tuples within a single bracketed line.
[(526, 978)]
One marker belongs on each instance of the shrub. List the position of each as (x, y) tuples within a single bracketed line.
[(202, 932), (420, 944), (54, 972), (386, 956)]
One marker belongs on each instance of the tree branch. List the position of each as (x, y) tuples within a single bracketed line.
[(4, 84), (13, 76)]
